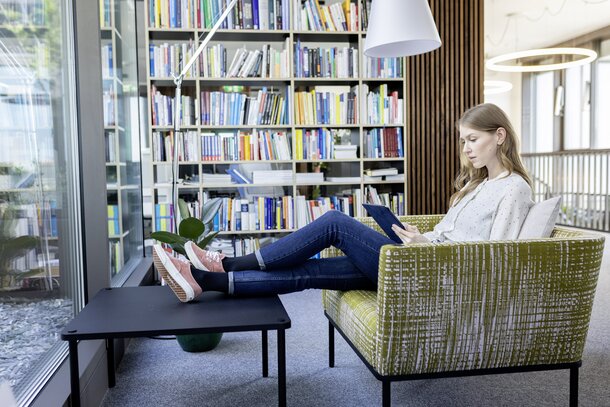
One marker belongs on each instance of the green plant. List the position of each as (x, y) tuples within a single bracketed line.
[(198, 231), (191, 228)]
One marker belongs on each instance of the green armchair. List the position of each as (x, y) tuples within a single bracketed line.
[(459, 309)]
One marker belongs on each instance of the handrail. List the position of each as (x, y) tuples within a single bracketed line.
[(581, 178)]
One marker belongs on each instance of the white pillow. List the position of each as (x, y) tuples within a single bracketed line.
[(540, 219)]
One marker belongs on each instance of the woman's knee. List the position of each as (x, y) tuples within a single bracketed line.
[(334, 215)]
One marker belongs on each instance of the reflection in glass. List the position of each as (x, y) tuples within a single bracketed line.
[(121, 129), (40, 282)]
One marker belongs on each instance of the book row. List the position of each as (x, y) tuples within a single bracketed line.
[(111, 146), (162, 109), (260, 145), (108, 99), (107, 62), (230, 108), (105, 14), (114, 228), (381, 107), (268, 145), (115, 255), (318, 144), (319, 62), (310, 16), (264, 63), (326, 105), (202, 14), (320, 105), (264, 213), (166, 59), (384, 143)]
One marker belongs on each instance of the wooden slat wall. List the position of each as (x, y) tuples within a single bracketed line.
[(440, 86)]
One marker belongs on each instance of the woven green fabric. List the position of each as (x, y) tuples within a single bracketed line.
[(356, 313), (473, 305)]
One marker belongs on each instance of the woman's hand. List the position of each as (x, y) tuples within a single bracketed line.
[(410, 235)]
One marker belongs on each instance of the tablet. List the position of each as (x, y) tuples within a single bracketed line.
[(385, 218)]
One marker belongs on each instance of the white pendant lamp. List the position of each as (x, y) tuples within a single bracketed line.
[(400, 28)]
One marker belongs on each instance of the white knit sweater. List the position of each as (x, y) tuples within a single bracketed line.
[(494, 210)]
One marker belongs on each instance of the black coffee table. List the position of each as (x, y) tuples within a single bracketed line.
[(148, 311)]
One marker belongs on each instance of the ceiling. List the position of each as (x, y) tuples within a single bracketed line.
[(516, 25)]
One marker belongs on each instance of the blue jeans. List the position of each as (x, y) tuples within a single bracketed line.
[(285, 265)]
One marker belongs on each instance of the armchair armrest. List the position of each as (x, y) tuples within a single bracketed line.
[(460, 306)]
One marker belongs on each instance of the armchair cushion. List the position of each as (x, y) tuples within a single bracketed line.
[(540, 219), (357, 311)]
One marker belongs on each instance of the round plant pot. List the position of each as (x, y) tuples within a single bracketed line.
[(199, 342)]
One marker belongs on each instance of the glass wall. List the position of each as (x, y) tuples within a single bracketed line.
[(40, 255), (121, 129)]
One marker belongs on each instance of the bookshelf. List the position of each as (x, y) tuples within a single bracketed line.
[(122, 173), (325, 69)]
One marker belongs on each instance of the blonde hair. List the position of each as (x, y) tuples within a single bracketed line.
[(489, 118)]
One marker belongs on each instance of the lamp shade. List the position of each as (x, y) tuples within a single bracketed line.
[(400, 28)]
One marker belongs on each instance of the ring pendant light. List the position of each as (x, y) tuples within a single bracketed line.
[(495, 87), (494, 63)]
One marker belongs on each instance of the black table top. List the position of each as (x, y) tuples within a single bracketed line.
[(154, 310)]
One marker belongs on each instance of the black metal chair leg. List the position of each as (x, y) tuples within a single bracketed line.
[(573, 386), (385, 394), (331, 345)]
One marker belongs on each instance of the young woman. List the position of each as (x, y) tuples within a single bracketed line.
[(492, 200)]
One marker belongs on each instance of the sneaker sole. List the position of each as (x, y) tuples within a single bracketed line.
[(190, 253), (171, 275)]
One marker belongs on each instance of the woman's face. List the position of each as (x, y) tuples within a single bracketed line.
[(480, 147)]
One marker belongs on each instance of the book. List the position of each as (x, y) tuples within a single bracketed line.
[(381, 171)]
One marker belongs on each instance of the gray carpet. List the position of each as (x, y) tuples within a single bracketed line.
[(159, 373)]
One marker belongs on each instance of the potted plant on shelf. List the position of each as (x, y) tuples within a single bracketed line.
[(200, 232)]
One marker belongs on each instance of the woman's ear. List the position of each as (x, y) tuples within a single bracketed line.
[(501, 133)]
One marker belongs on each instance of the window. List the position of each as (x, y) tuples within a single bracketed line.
[(577, 108), (40, 252), (572, 105), (601, 137), (538, 126)]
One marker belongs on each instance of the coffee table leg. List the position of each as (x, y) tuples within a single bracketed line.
[(281, 367), (265, 355), (74, 380), (110, 362)]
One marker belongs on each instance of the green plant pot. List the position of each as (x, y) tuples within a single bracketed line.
[(199, 342)]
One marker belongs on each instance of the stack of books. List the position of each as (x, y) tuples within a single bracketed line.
[(383, 174), (215, 179), (309, 177), (345, 152), (353, 180), (272, 177)]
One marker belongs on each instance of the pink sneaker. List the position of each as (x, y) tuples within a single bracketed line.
[(203, 259), (177, 274)]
